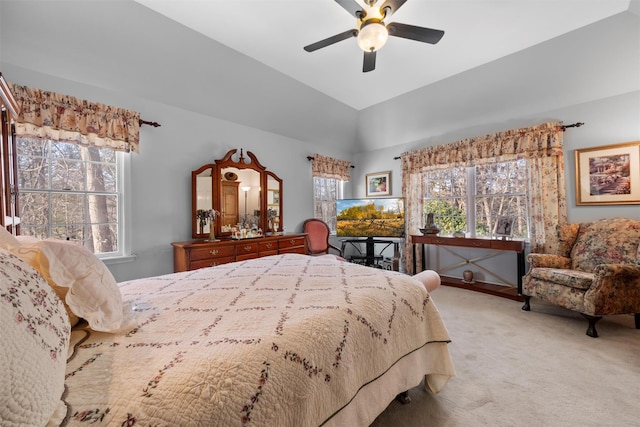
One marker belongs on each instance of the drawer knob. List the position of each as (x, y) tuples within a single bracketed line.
[(247, 248), (292, 242), (213, 252), (269, 245)]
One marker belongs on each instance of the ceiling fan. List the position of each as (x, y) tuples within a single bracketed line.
[(371, 31)]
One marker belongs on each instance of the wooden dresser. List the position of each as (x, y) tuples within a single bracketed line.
[(194, 254)]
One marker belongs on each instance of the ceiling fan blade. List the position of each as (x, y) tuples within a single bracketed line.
[(369, 62), (331, 40), (353, 8), (393, 5), (421, 34)]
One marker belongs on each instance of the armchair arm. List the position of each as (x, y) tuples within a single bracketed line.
[(629, 271), (615, 290), (548, 261)]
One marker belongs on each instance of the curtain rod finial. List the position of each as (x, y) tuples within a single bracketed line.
[(146, 122), (575, 125)]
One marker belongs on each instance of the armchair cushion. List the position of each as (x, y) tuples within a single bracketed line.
[(548, 261), (569, 278)]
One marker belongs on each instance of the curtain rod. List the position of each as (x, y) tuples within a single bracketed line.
[(146, 122), (310, 158), (575, 125), (563, 128)]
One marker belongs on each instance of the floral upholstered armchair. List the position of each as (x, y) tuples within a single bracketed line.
[(595, 272)]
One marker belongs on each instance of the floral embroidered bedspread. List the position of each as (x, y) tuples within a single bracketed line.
[(286, 340)]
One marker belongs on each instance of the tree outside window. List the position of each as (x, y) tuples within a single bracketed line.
[(471, 199), (71, 192), (325, 193)]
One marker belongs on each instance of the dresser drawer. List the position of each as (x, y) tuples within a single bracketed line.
[(212, 251), (294, 250), (290, 242), (244, 249), (247, 256), (194, 254), (268, 247), (211, 262)]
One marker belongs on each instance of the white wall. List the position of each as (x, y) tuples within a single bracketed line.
[(161, 172), (209, 99), (607, 121), (594, 62)]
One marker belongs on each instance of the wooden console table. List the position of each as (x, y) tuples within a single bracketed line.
[(516, 246)]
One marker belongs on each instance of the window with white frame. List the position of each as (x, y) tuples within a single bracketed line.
[(72, 192), (325, 193), (473, 199)]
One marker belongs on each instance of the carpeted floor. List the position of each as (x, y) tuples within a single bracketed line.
[(537, 368)]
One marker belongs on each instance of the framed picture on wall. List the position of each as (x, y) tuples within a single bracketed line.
[(378, 184), (608, 175)]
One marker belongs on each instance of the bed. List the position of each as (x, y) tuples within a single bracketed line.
[(285, 340)]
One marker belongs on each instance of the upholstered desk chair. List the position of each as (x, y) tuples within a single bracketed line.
[(318, 237)]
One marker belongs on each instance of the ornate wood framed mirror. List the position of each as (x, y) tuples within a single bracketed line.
[(242, 190)]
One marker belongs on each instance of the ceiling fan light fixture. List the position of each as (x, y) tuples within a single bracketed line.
[(372, 35)]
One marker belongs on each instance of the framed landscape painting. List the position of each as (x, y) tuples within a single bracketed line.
[(608, 175), (378, 184)]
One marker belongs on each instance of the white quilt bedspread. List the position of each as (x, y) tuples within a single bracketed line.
[(287, 340)]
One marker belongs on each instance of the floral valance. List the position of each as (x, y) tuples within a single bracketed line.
[(60, 117), (328, 167), (526, 143), (540, 146)]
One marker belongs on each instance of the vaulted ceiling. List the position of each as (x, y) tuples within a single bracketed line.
[(243, 61), (476, 32)]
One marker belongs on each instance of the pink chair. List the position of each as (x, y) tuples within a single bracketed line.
[(318, 237)]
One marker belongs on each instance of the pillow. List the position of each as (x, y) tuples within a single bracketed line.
[(7, 240), (26, 239), (35, 339), (87, 285)]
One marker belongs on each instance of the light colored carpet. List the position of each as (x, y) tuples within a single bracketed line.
[(537, 368)]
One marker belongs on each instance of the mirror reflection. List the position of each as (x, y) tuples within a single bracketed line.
[(203, 193), (240, 199), (273, 204)]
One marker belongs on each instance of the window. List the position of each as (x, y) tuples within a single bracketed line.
[(471, 199), (72, 192), (325, 193)]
